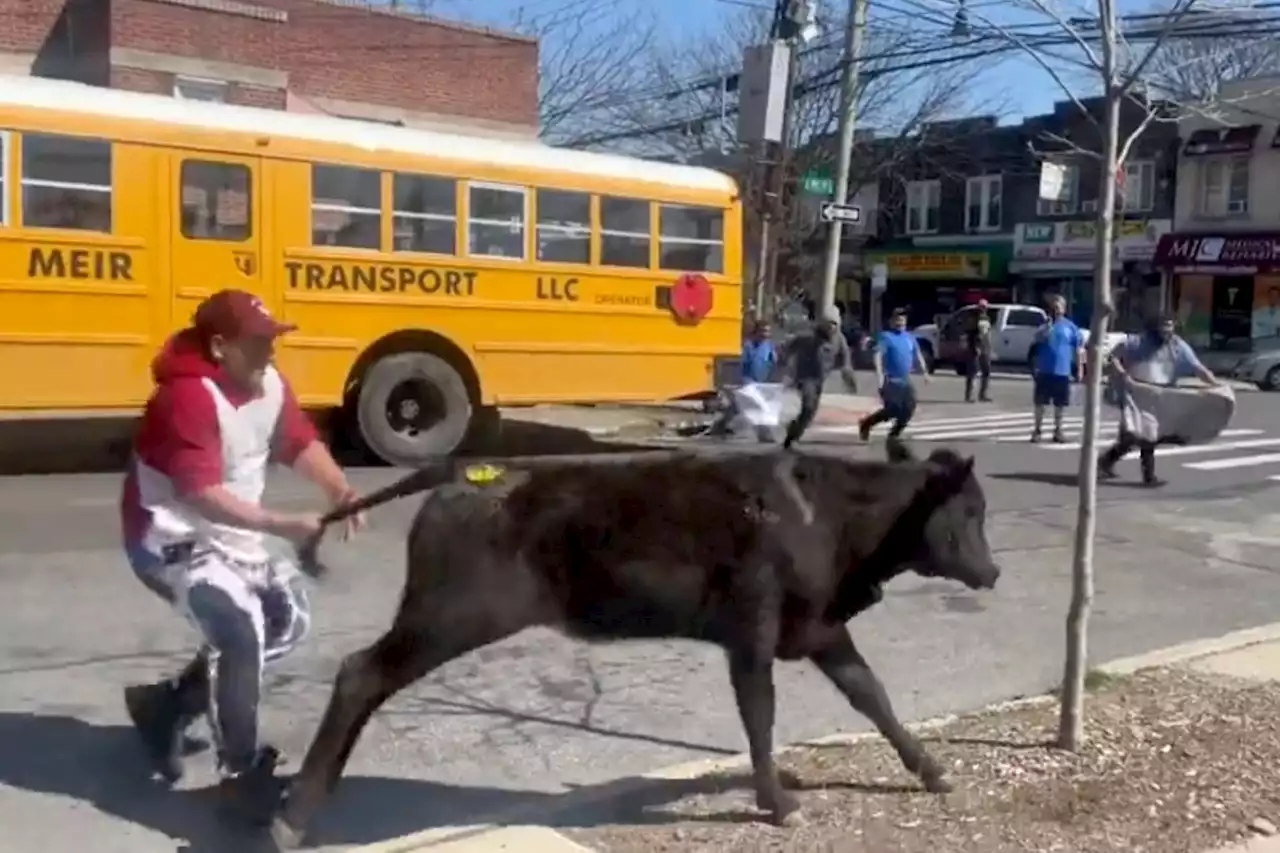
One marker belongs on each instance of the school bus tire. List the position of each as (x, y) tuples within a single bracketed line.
[(382, 389)]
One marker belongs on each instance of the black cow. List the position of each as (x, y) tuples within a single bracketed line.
[(767, 555)]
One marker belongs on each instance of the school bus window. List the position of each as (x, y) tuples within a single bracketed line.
[(424, 214), (624, 232), (4, 177), (346, 207), (564, 227), (66, 182), (216, 201), (690, 238), (495, 226)]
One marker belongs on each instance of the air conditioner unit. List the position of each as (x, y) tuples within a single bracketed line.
[(1237, 206), (1089, 206)]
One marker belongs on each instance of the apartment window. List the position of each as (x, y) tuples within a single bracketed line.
[(982, 203), (424, 214), (690, 238), (215, 202), (924, 201), (624, 232), (346, 207), (199, 89), (4, 177), (564, 227), (66, 182), (1139, 187), (495, 221), (1224, 186), (1070, 200)]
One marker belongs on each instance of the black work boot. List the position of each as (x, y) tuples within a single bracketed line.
[(254, 795), (162, 712)]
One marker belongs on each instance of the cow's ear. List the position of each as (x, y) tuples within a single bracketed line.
[(898, 451)]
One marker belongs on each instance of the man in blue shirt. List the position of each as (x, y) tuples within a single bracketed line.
[(896, 354), (1058, 343), (1158, 357), (758, 356)]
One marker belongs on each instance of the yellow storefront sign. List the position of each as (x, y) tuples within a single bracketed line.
[(933, 264)]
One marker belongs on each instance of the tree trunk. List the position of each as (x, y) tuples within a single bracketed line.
[(1071, 721)]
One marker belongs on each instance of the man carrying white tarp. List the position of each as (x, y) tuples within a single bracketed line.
[(757, 401), (1144, 374)]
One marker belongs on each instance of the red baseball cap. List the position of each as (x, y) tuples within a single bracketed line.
[(233, 314)]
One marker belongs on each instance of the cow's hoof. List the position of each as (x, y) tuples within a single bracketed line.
[(794, 820), (782, 808), (285, 835), (937, 784)]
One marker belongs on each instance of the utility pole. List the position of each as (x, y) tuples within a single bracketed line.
[(793, 24), (857, 23)]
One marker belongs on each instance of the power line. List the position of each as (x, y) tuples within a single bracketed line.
[(828, 77)]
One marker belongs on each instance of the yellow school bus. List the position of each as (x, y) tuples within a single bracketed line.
[(432, 276)]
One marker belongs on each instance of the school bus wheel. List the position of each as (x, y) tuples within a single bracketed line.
[(412, 406)]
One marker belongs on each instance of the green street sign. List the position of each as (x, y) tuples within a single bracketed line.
[(817, 182)]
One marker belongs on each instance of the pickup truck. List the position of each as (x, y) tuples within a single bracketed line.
[(1013, 333)]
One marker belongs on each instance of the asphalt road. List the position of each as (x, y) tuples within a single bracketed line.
[(524, 720)]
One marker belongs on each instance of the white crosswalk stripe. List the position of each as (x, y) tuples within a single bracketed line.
[(1235, 450)]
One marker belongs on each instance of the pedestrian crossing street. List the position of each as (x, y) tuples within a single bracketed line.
[(1233, 449)]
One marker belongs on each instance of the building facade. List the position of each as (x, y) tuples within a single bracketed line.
[(346, 58), (959, 216), (1222, 260)]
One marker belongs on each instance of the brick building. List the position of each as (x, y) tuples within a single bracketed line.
[(348, 58)]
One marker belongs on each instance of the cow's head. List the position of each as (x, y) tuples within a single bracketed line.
[(953, 509)]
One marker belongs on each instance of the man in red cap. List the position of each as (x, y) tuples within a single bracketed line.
[(194, 530)]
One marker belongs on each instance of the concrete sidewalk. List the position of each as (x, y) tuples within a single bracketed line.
[(1251, 654)]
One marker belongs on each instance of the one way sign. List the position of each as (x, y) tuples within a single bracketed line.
[(847, 213)]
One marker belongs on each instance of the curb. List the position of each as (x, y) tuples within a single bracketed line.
[(514, 831)]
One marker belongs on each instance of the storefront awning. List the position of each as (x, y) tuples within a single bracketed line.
[(1221, 140), (1259, 250)]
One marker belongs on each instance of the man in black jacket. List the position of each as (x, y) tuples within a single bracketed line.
[(812, 355)]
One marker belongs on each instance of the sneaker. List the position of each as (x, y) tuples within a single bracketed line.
[(1106, 472), (1059, 438), (864, 431), (1035, 437), (157, 717), (255, 795), (1152, 482), (984, 399)]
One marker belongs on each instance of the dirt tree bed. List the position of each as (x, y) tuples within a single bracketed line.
[(1175, 762)]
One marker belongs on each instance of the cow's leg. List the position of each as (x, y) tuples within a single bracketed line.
[(365, 680), (751, 673), (840, 661)]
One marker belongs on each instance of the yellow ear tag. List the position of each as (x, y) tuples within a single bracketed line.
[(480, 474)]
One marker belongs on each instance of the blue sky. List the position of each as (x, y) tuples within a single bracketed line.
[(1013, 87)]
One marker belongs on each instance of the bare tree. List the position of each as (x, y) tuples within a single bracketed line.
[(592, 57), (1193, 68), (1091, 48)]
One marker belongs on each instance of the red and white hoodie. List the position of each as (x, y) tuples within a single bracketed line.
[(199, 431)]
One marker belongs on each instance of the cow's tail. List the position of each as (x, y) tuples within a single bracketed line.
[(424, 479)]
